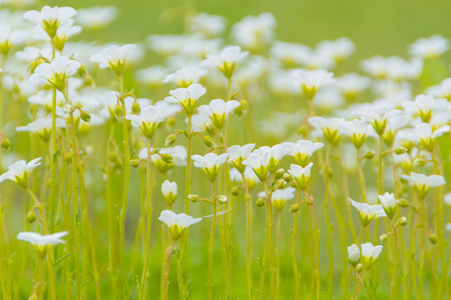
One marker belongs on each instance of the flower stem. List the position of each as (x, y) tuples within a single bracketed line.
[(211, 243), (395, 262), (294, 249), (142, 286), (169, 251), (125, 196), (247, 198)]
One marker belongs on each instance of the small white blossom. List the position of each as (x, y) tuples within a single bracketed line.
[(227, 59), (55, 73), (423, 183), (210, 163), (169, 190), (20, 171), (312, 81), (370, 254), (434, 46), (187, 97), (368, 212), (218, 110), (279, 197), (114, 57), (388, 203), (177, 222), (301, 175), (354, 255)]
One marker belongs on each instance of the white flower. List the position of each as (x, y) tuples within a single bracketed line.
[(177, 222), (442, 90), (427, 136), (423, 183), (352, 85), (358, 131), (424, 106), (279, 197), (370, 254), (259, 162), (9, 38), (276, 153), (20, 171), (42, 240), (187, 97), (434, 46), (55, 73), (210, 163), (312, 81), (227, 59), (388, 203), (301, 175), (303, 150), (169, 190), (185, 76), (368, 212), (290, 54), (209, 25), (378, 115), (354, 255), (338, 50), (148, 120), (253, 32), (96, 17), (50, 18), (448, 199), (42, 127), (331, 127), (152, 76), (218, 110), (114, 57)]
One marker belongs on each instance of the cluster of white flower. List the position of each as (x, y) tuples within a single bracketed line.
[(328, 132)]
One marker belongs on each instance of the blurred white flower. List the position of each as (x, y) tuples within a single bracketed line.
[(114, 57), (20, 171), (370, 254), (354, 255), (208, 25), (311, 81), (96, 17), (434, 46), (186, 76), (422, 183), (227, 59), (218, 110), (55, 73), (279, 197)]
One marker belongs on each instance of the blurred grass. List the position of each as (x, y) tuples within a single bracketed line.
[(383, 27)]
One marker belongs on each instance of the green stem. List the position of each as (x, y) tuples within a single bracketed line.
[(211, 243), (247, 198), (278, 236), (170, 250), (395, 263), (142, 286), (125, 196), (294, 248)]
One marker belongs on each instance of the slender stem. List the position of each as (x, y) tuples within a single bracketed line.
[(395, 262), (380, 183), (169, 251), (211, 243), (294, 249), (53, 165), (359, 286), (278, 236), (328, 225), (269, 244), (142, 286), (184, 239), (247, 198), (3, 268), (125, 196), (317, 256), (361, 175)]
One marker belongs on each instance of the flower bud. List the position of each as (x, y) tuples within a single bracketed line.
[(136, 109), (170, 140), (210, 128), (31, 217), (369, 155), (6, 144), (287, 177), (119, 112), (85, 116), (167, 158), (359, 268), (193, 198), (433, 238), (235, 191), (260, 202), (383, 237), (222, 199), (279, 173), (354, 255), (294, 208), (402, 221), (170, 121), (403, 203), (208, 141), (400, 150), (134, 163), (279, 184)]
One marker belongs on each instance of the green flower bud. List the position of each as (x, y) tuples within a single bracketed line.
[(193, 198), (260, 202)]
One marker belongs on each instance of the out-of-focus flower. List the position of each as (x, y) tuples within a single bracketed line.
[(434, 46), (55, 73), (208, 25), (227, 59), (354, 255), (370, 254), (19, 172), (218, 110), (312, 81), (96, 17), (422, 183), (50, 18), (254, 32), (114, 57), (185, 76), (279, 197)]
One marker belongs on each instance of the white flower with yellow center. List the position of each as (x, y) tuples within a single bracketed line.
[(210, 163), (369, 254), (42, 242), (177, 223), (368, 212), (280, 197), (301, 175), (218, 110), (186, 76), (227, 59), (388, 203), (20, 171), (358, 131), (422, 183), (169, 190), (50, 18), (354, 255), (148, 120), (259, 162), (312, 81), (56, 73), (187, 97), (303, 150), (427, 135), (238, 154), (114, 57), (431, 47)]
